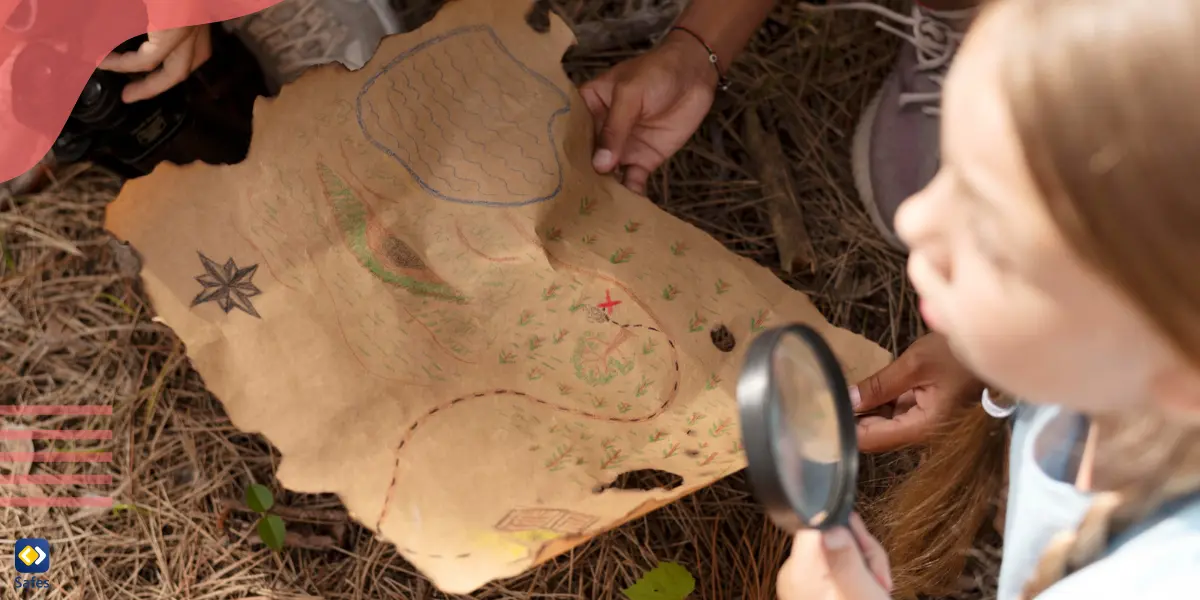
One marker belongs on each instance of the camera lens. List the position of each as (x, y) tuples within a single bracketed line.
[(91, 95)]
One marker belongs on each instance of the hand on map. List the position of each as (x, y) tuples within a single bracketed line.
[(646, 108), (842, 564), (917, 391), (178, 51)]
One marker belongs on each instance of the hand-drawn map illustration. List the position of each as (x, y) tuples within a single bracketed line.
[(457, 325)]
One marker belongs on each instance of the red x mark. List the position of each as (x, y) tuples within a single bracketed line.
[(608, 303)]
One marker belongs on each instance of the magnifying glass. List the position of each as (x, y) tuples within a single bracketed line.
[(798, 429)]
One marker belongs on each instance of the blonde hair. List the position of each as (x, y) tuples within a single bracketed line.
[(1102, 95)]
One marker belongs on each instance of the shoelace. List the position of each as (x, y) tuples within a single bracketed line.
[(929, 31)]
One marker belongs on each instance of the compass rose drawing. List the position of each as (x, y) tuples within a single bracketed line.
[(229, 286)]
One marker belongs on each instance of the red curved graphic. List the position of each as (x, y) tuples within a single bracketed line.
[(49, 49)]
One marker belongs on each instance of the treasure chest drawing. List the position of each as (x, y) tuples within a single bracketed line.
[(555, 519)]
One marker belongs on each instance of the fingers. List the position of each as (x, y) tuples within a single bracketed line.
[(597, 94), (203, 48), (150, 54), (623, 114), (848, 566), (635, 178), (873, 552), (887, 384), (877, 434), (176, 67), (613, 127)]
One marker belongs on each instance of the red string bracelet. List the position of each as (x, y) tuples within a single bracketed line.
[(722, 81)]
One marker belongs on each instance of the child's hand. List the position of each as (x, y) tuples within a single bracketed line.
[(179, 51), (647, 107), (831, 566), (922, 386)]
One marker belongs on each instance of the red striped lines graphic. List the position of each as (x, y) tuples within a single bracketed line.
[(12, 459)]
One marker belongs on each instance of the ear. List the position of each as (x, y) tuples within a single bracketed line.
[(1177, 390)]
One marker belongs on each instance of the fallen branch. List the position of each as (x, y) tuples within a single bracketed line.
[(787, 220)]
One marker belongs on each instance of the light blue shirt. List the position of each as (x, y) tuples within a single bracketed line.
[(1159, 558)]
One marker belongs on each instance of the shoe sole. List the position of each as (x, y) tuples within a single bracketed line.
[(860, 165), (380, 10)]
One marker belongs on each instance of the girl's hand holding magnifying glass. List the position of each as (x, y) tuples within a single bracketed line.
[(840, 564)]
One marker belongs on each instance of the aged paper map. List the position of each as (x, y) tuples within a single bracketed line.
[(418, 289)]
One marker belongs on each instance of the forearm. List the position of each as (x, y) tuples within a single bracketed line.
[(725, 25)]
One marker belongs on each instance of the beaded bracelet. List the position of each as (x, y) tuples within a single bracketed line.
[(722, 81)]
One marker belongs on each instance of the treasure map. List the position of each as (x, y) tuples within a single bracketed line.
[(417, 288)]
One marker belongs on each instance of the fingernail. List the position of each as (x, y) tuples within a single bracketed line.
[(837, 539), (855, 397), (602, 158)]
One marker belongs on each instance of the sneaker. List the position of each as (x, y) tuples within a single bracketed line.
[(896, 150), (291, 36)]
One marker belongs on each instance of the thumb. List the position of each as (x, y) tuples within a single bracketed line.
[(622, 116), (885, 385), (848, 567)]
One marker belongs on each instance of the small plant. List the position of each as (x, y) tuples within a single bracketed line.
[(586, 205), (612, 458), (721, 427), (643, 387), (667, 581), (620, 256), (270, 526), (757, 322), (713, 381)]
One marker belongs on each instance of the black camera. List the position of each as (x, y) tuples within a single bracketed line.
[(206, 117)]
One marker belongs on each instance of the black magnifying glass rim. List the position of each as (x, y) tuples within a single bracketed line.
[(757, 392)]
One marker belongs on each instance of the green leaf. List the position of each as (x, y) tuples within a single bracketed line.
[(667, 581), (259, 498), (272, 531)]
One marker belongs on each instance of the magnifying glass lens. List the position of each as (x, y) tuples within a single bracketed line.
[(808, 443)]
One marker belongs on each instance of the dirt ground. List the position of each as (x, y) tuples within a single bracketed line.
[(75, 328)]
